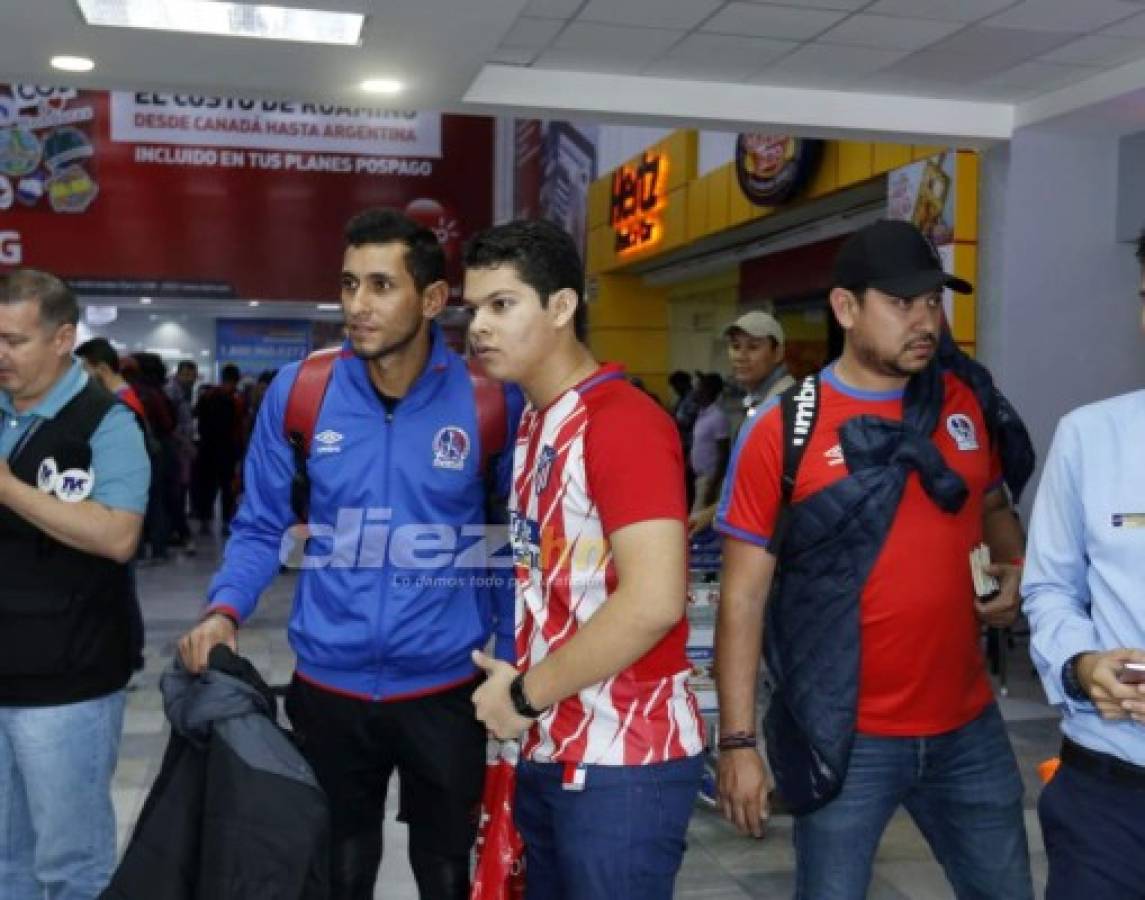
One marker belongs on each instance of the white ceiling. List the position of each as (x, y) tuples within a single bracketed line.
[(815, 66), (956, 49)]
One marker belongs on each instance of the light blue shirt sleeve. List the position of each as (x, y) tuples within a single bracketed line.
[(120, 463), (1056, 598), (1082, 587)]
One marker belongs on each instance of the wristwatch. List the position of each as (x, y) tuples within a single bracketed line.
[(1070, 681), (520, 701)]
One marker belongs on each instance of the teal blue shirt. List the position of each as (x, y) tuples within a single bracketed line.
[(119, 460)]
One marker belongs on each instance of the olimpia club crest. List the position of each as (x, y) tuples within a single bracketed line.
[(772, 168)]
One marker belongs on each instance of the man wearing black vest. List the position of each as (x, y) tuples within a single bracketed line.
[(880, 697), (74, 477)]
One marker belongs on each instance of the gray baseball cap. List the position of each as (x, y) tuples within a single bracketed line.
[(757, 324)]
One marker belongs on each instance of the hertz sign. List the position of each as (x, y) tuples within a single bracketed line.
[(638, 201)]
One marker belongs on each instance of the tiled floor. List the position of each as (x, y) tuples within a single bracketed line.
[(719, 865)]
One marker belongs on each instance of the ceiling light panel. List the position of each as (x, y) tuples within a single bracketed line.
[(274, 23), (72, 63)]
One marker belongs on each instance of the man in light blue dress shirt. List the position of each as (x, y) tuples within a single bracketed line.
[(1084, 592)]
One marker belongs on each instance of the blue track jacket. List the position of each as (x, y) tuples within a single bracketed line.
[(400, 579)]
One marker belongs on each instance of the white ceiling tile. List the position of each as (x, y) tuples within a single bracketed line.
[(605, 62), (886, 83), (889, 32), (513, 56), (532, 32), (1097, 50), (642, 44), (1005, 45), (945, 10), (933, 65), (1039, 76), (713, 69), (843, 5), (1076, 16), (1000, 93), (783, 22), (833, 62), (555, 9), (1129, 28), (750, 51), (656, 13)]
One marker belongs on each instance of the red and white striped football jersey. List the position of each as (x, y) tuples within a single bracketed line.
[(600, 457)]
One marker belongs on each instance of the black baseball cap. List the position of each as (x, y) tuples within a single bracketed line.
[(895, 258)]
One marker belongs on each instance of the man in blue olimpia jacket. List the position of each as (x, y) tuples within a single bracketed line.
[(395, 591)]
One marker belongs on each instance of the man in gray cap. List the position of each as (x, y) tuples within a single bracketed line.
[(755, 350)]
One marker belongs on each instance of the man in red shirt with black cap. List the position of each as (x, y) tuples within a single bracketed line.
[(886, 663)]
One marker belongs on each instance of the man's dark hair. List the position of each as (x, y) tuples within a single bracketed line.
[(152, 369), (711, 384), (680, 381), (1141, 247), (424, 259), (544, 255), (185, 364), (99, 350), (57, 302), (231, 374)]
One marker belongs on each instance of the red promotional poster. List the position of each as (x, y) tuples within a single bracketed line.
[(143, 193), (500, 873)]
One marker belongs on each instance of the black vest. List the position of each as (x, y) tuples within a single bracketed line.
[(66, 625)]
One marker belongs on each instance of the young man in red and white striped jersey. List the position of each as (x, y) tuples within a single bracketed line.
[(611, 734)]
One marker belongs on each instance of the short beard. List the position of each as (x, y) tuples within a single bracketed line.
[(869, 358), (391, 348)]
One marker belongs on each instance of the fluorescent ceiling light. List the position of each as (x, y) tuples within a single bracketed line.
[(253, 303), (330, 307), (146, 301), (382, 86), (275, 23), (72, 63)]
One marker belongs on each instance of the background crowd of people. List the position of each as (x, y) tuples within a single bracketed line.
[(195, 432)]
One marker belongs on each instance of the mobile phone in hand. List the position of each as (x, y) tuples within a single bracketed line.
[(1132, 673)]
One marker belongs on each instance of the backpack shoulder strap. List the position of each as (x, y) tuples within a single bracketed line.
[(302, 407), (306, 395), (799, 411), (492, 415)]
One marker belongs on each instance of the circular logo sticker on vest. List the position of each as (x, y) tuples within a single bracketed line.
[(74, 485), (47, 475)]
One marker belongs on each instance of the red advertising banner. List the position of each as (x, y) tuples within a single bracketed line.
[(140, 193)]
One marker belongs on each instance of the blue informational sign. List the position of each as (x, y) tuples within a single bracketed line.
[(259, 345)]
